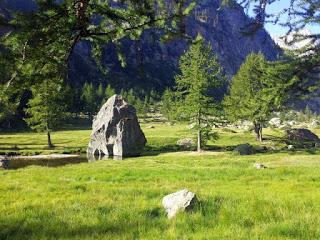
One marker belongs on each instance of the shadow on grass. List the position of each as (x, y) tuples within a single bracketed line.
[(151, 150), (48, 225)]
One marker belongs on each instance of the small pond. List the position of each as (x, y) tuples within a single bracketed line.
[(12, 163)]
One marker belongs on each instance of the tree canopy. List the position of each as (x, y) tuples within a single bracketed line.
[(258, 89), (200, 76)]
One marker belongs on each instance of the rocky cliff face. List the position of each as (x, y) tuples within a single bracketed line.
[(152, 64)]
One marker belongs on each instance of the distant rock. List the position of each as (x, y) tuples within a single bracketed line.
[(314, 123), (247, 126), (185, 143), (275, 122), (151, 127), (259, 166), (301, 134), (290, 147), (244, 149), (191, 126), (179, 201), (4, 162), (291, 123), (116, 130)]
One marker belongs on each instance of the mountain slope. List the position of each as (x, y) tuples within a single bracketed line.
[(152, 64)]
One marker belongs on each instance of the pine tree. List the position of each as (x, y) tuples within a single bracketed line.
[(109, 92), (167, 105), (46, 108), (258, 89), (131, 98), (200, 76), (100, 94), (89, 99), (8, 108)]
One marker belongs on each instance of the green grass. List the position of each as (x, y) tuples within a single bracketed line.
[(122, 199), (162, 138)]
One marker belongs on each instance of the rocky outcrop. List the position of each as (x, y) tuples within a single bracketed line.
[(153, 64), (178, 201), (116, 130)]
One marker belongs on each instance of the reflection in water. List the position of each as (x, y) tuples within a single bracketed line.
[(21, 163)]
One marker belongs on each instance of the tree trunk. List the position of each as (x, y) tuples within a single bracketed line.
[(199, 141), (199, 133), (50, 145), (258, 131)]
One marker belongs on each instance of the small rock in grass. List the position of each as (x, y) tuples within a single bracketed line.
[(151, 127), (259, 166), (275, 122), (179, 201), (290, 147), (185, 143), (191, 126)]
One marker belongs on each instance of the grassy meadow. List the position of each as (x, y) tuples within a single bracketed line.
[(122, 199)]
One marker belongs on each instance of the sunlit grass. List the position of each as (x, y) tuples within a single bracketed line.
[(122, 199)]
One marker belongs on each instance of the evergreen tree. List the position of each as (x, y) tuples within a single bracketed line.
[(109, 92), (124, 93), (167, 105), (100, 94), (46, 108), (258, 89), (89, 99), (131, 98), (146, 105), (139, 106), (200, 75), (8, 108), (246, 100)]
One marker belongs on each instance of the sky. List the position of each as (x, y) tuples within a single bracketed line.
[(279, 30)]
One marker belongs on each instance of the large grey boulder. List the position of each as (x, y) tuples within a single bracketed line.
[(301, 134), (116, 130), (178, 201)]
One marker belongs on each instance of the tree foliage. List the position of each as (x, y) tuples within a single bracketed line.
[(200, 76), (258, 89), (46, 108)]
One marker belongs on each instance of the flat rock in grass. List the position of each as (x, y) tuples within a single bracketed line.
[(245, 149), (185, 143), (116, 130), (259, 166), (179, 201), (301, 134)]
